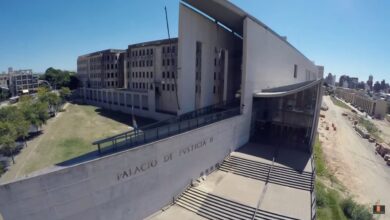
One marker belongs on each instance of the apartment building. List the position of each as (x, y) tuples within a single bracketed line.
[(372, 106), (102, 69), (22, 81), (143, 81)]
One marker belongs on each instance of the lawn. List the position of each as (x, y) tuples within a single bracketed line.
[(339, 103), (68, 135)]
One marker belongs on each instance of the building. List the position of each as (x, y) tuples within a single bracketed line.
[(330, 79), (271, 96), (21, 81), (372, 106), (102, 69)]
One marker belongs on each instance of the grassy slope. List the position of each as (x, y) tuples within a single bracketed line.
[(70, 136), (339, 103)]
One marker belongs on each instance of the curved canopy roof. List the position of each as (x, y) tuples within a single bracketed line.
[(286, 90)]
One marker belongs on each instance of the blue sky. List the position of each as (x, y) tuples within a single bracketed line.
[(346, 36)]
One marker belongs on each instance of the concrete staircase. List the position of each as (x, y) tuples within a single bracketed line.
[(210, 206), (277, 175)]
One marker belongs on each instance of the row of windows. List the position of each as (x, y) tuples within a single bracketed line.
[(166, 75), (167, 62), (141, 85), (112, 75), (168, 87), (168, 49), (115, 57), (142, 52), (112, 66), (142, 74), (141, 63)]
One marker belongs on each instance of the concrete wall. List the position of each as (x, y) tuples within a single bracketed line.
[(127, 185), (194, 27), (272, 59)]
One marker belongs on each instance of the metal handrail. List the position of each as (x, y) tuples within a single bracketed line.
[(185, 116), (167, 129)]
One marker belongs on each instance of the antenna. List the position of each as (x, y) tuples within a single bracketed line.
[(176, 75)]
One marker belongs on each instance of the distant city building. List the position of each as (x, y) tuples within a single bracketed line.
[(19, 81), (330, 79), (370, 82)]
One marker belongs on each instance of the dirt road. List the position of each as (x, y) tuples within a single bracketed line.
[(353, 160)]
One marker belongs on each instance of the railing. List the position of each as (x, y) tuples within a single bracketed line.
[(167, 128), (313, 199)]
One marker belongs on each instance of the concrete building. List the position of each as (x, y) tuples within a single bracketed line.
[(271, 97), (22, 81), (102, 69), (374, 107)]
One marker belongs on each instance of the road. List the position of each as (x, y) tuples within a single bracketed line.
[(353, 160)]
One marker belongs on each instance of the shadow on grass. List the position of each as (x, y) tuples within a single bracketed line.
[(116, 116)]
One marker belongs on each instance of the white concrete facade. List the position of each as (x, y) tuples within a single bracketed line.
[(104, 189)]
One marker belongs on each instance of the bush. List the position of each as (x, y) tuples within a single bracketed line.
[(321, 195), (2, 168), (355, 211)]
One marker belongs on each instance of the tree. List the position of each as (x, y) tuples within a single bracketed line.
[(7, 139), (51, 98), (35, 112), (377, 86), (65, 93), (60, 78), (14, 116)]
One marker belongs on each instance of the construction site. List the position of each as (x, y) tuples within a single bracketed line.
[(356, 153)]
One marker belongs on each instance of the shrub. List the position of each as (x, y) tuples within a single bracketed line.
[(355, 211)]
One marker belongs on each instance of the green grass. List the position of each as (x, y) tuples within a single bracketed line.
[(330, 201), (339, 103), (371, 128), (68, 135)]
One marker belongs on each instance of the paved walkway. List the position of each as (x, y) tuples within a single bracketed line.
[(245, 182)]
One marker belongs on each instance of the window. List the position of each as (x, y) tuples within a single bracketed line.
[(173, 62), (151, 86), (163, 86), (163, 74), (116, 66), (167, 87), (215, 61), (163, 50), (143, 74), (151, 63), (147, 51), (108, 75), (295, 70), (168, 75), (173, 49), (112, 66), (214, 89), (173, 75), (215, 75), (167, 62), (163, 62), (108, 66), (147, 74), (151, 51), (151, 74), (173, 87), (168, 49)]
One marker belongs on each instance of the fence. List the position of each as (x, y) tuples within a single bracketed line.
[(167, 128)]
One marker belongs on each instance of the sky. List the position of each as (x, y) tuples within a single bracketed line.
[(346, 36)]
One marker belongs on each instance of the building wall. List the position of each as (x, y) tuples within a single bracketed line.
[(195, 28), (127, 101), (272, 60), (127, 185)]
